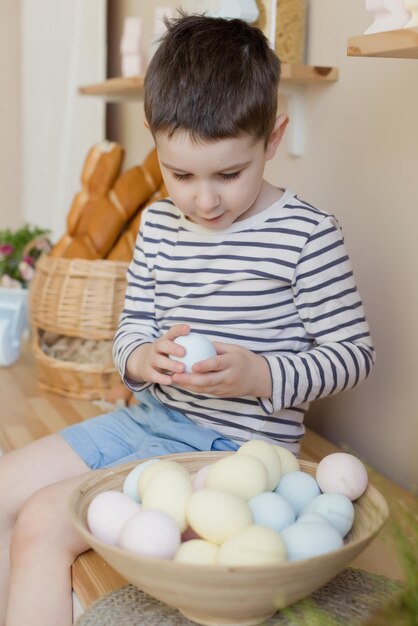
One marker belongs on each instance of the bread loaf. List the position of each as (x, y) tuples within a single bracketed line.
[(101, 167)]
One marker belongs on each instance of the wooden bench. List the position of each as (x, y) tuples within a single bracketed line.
[(26, 414)]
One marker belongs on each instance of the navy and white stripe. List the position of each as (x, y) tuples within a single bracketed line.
[(278, 283)]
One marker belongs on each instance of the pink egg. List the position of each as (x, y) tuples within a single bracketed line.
[(107, 514), (151, 533), (342, 473), (200, 477)]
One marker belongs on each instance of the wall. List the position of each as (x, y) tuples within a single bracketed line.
[(63, 46), (360, 163), (10, 129)]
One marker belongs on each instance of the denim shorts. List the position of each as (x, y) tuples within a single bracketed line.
[(140, 431)]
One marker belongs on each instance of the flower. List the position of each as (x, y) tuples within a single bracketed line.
[(19, 252), (5, 250)]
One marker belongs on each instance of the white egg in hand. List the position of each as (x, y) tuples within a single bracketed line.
[(198, 348)]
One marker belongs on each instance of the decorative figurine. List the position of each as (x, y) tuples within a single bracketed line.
[(388, 15), (246, 10), (132, 57)]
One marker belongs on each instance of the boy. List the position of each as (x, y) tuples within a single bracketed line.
[(260, 272)]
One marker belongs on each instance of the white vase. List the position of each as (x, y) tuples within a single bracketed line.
[(388, 15), (13, 323), (131, 49), (412, 7)]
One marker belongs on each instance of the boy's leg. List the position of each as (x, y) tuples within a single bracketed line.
[(22, 473)]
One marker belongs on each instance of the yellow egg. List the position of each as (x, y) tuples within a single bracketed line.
[(288, 460), (168, 491), (266, 454), (217, 515), (254, 545), (243, 475), (155, 468), (197, 551)]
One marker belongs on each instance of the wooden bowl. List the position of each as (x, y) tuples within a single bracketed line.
[(221, 595)]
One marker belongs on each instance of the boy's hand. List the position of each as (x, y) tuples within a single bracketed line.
[(150, 362), (234, 372)]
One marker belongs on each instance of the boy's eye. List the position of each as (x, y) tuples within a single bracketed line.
[(181, 176), (230, 176)]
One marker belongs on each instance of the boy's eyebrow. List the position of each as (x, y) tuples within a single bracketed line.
[(236, 166)]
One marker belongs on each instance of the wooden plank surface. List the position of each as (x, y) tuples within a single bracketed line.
[(400, 44), (27, 413)]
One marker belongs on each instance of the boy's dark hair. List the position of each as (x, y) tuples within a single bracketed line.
[(214, 78)]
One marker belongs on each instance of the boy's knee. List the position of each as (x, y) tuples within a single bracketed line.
[(36, 524)]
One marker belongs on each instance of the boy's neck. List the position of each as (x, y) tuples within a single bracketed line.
[(268, 195)]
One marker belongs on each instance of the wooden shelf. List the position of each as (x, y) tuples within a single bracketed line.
[(400, 44), (125, 89)]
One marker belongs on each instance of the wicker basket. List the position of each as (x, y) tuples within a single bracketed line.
[(76, 297), (67, 378)]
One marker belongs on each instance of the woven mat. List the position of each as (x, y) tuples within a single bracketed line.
[(349, 598)]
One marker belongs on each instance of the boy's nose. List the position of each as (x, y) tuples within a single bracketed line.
[(206, 200)]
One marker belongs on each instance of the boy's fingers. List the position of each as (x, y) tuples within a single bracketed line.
[(224, 348), (177, 330)]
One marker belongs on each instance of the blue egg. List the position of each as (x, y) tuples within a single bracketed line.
[(198, 348), (271, 510), (130, 485), (298, 488), (337, 509), (304, 540)]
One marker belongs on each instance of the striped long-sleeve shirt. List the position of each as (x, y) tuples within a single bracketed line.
[(278, 283)]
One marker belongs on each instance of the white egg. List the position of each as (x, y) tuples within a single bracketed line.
[(168, 491), (197, 551), (304, 540), (151, 533), (198, 348), (288, 460), (254, 545), (266, 454), (243, 475), (108, 512), (337, 509), (342, 473), (217, 515), (151, 470), (271, 510), (130, 485), (298, 488)]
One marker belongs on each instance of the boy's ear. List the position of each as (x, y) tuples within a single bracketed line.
[(276, 135), (146, 124)]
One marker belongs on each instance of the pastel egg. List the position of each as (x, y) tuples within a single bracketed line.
[(304, 540), (217, 515), (266, 454), (108, 512), (199, 479), (151, 533), (342, 473), (197, 551), (154, 468), (271, 510), (337, 509), (255, 545), (311, 517), (288, 460), (168, 491), (243, 475), (130, 485), (198, 348), (298, 488)]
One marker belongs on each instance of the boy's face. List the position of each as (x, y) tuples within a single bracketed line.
[(214, 183)]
